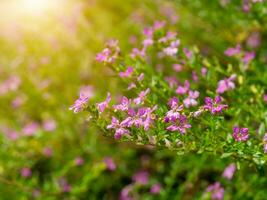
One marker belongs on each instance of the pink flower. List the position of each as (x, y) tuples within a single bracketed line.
[(155, 189), (216, 190), (131, 86), (231, 51), (109, 54), (240, 134), (188, 53), (265, 143), (141, 177), (183, 89), (255, 1), (148, 32), (159, 24), (174, 113), (110, 164), (191, 99), (125, 193), (18, 101), (177, 67), (248, 57), (254, 40), (226, 84), (265, 97), (79, 161), (194, 76), (229, 171), (172, 49), (81, 103), (87, 91), (204, 71), (180, 124), (10, 133), (26, 172), (104, 56), (141, 77), (48, 152), (172, 81), (64, 185), (127, 73), (11, 84), (103, 105), (119, 128), (214, 106), (124, 105), (173, 102), (30, 129), (49, 125), (169, 36), (141, 97)]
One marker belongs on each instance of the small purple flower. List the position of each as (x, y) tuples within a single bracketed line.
[(104, 55), (194, 77), (191, 99), (125, 192), (265, 97), (214, 106), (140, 77), (49, 125), (124, 105), (248, 57), (127, 73), (173, 102), (229, 171), (110, 164), (172, 49), (11, 84), (87, 91), (131, 86), (103, 105), (109, 54), (159, 24), (141, 177), (265, 143), (155, 189), (48, 152), (141, 97), (188, 53), (173, 114), (143, 118), (216, 191), (80, 103), (180, 125), (226, 84), (79, 161), (183, 89), (120, 129), (204, 71), (231, 51), (148, 32), (240, 134), (254, 40), (177, 67), (169, 36), (30, 129), (26, 172), (64, 185), (172, 81)]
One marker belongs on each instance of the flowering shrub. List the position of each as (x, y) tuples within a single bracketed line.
[(175, 98)]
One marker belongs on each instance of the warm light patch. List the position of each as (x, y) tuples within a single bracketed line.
[(36, 7)]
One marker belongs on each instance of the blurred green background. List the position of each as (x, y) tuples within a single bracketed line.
[(47, 55)]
